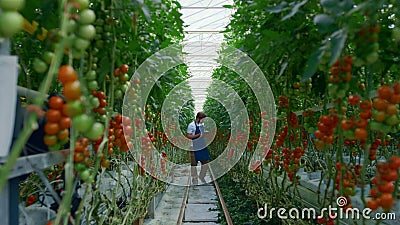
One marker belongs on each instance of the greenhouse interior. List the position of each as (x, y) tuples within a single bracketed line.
[(199, 112)]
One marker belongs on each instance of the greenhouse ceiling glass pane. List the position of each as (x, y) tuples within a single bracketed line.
[(204, 20)]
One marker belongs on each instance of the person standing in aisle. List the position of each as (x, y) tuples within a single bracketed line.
[(195, 132)]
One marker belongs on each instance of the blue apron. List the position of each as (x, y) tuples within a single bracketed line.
[(200, 148)]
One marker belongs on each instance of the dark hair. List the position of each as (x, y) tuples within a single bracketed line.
[(201, 115)]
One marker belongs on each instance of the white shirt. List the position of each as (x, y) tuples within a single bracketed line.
[(191, 129)]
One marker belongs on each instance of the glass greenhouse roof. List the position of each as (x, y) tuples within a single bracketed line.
[(204, 21)]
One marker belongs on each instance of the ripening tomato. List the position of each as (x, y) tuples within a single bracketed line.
[(374, 192), (373, 204), (361, 134), (386, 201), (366, 105), (394, 163), (379, 104), (124, 68), (63, 134), (361, 123), (391, 175), (50, 140), (395, 99), (51, 128), (386, 187), (366, 114), (67, 74), (391, 109), (53, 115), (56, 102), (354, 99), (346, 124), (72, 90), (379, 116), (65, 122), (385, 92), (79, 157)]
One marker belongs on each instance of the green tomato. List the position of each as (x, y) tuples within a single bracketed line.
[(92, 85), (95, 102), (392, 120), (376, 126), (349, 134), (87, 16), (91, 75), (39, 66), (12, 5), (73, 108), (81, 44), (87, 31), (85, 175), (124, 77), (124, 88), (118, 93), (372, 57), (82, 123), (71, 26), (103, 118), (341, 93), (55, 147), (48, 57), (10, 23), (80, 167), (95, 131)]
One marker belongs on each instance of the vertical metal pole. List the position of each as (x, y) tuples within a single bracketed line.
[(14, 201), (4, 206), (9, 196)]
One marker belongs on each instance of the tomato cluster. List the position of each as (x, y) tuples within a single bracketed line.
[(367, 45), (80, 28), (350, 175), (57, 125), (102, 102), (327, 221), (120, 131), (293, 120), (291, 160), (356, 128), (30, 200), (339, 78), (387, 174), (82, 153), (385, 111), (122, 83), (326, 127), (283, 101)]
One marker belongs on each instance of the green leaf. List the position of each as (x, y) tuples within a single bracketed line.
[(284, 65), (338, 39), (278, 8), (269, 35), (324, 22), (312, 65), (295, 9)]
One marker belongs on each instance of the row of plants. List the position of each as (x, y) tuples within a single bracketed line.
[(333, 69), (84, 54)]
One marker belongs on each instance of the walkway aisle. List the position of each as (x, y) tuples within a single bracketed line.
[(201, 205)]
